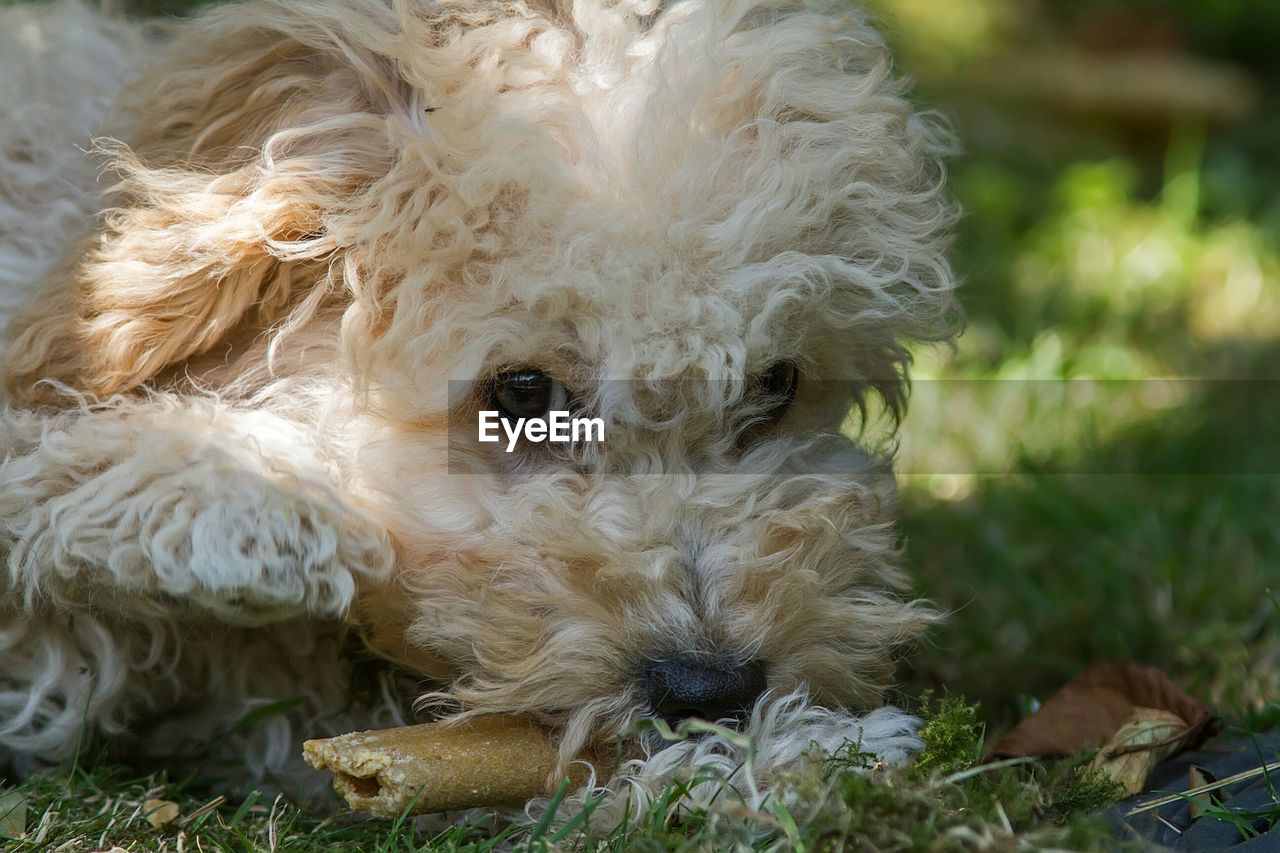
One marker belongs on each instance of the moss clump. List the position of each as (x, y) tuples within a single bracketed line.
[(850, 756), (1085, 791), (952, 736)]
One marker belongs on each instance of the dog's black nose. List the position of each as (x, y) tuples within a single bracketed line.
[(681, 687)]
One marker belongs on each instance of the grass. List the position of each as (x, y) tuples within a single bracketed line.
[(1105, 523), (1059, 522), (946, 803)]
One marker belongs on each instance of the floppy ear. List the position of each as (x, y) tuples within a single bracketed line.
[(260, 124)]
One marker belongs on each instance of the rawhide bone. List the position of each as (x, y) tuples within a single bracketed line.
[(494, 760)]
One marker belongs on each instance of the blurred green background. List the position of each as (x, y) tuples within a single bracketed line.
[(1122, 185)]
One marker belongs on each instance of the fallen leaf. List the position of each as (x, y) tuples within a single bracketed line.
[(13, 814), (1089, 710), (160, 813), (1146, 738), (1198, 777)]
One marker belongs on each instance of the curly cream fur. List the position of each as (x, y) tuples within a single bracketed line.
[(228, 383)]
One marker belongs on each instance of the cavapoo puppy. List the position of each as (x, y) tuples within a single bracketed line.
[(262, 271)]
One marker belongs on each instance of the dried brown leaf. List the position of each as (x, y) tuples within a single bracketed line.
[(1092, 707), (1146, 739), (13, 814), (1198, 777), (160, 813)]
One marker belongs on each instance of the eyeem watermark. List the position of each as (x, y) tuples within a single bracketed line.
[(558, 427), (991, 428)]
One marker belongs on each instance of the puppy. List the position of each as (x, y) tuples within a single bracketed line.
[(262, 271)]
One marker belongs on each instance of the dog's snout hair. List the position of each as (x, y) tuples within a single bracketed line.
[(232, 389)]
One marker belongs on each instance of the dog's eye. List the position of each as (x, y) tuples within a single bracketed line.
[(527, 393), (775, 388)]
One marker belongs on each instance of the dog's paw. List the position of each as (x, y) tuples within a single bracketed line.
[(168, 509), (248, 546)]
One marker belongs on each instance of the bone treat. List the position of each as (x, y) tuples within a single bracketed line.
[(486, 761)]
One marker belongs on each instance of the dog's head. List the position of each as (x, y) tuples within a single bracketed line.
[(715, 226)]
